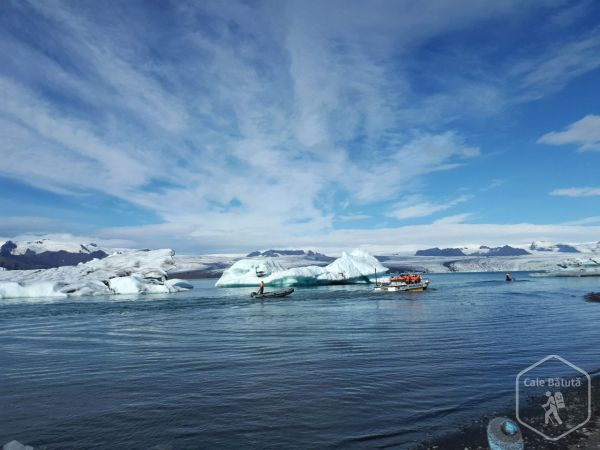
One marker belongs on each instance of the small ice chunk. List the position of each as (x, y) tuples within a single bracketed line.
[(126, 285), (16, 445), (179, 285)]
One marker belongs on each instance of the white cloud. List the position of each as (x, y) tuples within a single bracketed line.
[(389, 239), (13, 225), (457, 218), (577, 192), (251, 123), (585, 133), (417, 208), (594, 220), (550, 70), (352, 217)]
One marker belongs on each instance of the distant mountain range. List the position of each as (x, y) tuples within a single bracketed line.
[(46, 254), (276, 253), (484, 250), (562, 248), (436, 251), (535, 248)]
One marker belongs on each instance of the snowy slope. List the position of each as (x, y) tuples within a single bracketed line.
[(52, 245), (45, 253), (133, 272), (355, 267)]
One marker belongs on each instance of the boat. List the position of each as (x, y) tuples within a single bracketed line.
[(273, 294), (403, 283)]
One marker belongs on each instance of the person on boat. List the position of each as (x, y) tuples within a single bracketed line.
[(261, 288), (508, 277)]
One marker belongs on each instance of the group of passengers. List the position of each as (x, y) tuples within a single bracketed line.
[(408, 279)]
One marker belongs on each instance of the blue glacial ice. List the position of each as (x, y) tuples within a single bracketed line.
[(355, 267)]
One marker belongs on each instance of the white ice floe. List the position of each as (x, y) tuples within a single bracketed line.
[(16, 445), (355, 267), (130, 272)]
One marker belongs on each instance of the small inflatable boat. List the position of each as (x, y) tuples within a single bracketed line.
[(273, 294)]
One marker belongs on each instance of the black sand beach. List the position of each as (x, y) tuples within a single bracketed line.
[(473, 436)]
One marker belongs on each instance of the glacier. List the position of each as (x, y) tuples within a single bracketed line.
[(355, 267), (574, 267), (123, 272)]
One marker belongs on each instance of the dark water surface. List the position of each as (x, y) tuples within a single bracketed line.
[(328, 367)]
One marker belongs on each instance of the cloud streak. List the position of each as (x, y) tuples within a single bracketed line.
[(584, 133), (576, 192), (417, 208)]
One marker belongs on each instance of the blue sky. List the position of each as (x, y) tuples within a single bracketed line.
[(230, 126)]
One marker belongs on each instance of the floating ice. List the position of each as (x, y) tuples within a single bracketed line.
[(16, 445), (355, 267), (131, 272)]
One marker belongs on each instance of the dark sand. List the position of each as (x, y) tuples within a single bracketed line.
[(473, 436)]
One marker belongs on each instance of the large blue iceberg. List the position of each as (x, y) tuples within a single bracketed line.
[(355, 267)]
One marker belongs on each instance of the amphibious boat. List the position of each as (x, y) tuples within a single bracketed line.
[(403, 282)]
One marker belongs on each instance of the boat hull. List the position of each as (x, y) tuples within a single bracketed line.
[(402, 287), (273, 294)]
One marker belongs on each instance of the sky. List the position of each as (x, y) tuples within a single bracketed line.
[(216, 127)]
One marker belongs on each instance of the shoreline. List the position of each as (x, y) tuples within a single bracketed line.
[(473, 436)]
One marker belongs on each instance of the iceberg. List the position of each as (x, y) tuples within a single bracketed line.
[(355, 267), (123, 272)]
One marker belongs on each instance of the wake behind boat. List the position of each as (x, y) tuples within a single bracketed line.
[(402, 283), (273, 294)]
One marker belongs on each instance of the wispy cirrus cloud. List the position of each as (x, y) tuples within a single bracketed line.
[(584, 133), (456, 218), (594, 220), (576, 192), (554, 67), (352, 217), (418, 208)]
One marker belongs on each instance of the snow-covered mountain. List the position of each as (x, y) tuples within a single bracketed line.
[(46, 253), (307, 254), (43, 245), (482, 250), (544, 246)]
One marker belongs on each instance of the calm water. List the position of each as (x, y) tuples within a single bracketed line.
[(328, 367)]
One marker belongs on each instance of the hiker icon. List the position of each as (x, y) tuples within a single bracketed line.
[(552, 405)]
